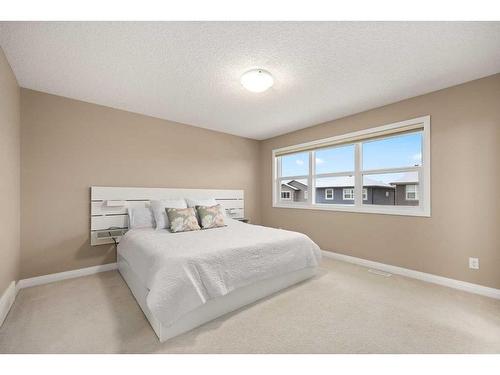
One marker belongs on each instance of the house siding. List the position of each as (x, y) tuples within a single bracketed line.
[(337, 196), (299, 196), (401, 197), (292, 193), (375, 195)]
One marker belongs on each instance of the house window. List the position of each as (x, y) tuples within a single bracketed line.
[(329, 194), (411, 192), (285, 195), (384, 159), (348, 194)]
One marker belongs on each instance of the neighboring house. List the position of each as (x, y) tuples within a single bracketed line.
[(340, 190), (294, 191), (407, 189)]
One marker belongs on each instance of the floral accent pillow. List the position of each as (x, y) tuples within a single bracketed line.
[(182, 219), (211, 217)]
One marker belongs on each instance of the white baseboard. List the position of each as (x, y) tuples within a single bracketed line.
[(40, 280), (428, 277), (7, 300)]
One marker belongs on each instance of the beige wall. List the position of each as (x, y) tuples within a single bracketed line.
[(465, 148), (9, 175), (69, 145)]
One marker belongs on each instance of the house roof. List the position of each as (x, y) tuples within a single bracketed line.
[(298, 184), (407, 178), (343, 181), (348, 181), (291, 187)]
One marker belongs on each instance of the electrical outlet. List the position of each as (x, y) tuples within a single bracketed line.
[(474, 263)]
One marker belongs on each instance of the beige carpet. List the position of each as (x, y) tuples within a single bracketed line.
[(344, 310)]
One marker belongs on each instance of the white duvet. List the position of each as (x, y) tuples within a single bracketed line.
[(185, 270)]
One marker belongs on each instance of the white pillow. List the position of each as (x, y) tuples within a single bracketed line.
[(140, 217), (201, 202), (210, 202), (160, 214)]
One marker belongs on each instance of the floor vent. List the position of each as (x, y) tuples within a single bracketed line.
[(380, 273)]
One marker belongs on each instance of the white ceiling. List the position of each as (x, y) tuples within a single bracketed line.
[(189, 71)]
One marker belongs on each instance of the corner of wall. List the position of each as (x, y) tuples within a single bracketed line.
[(10, 183)]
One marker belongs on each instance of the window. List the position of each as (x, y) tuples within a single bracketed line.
[(392, 162), (295, 165), (293, 170), (411, 192), (334, 160), (400, 150), (285, 195), (329, 194), (348, 194)]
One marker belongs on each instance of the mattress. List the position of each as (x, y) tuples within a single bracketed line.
[(183, 271)]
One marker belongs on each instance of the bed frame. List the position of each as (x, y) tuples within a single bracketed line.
[(108, 209), (213, 308)]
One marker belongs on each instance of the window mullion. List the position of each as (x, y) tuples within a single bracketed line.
[(421, 186), (311, 180), (358, 178), (303, 177), (277, 194), (336, 174), (392, 170)]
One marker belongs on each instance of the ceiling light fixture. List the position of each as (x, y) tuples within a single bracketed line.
[(257, 80)]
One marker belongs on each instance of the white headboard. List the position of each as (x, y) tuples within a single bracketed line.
[(104, 216)]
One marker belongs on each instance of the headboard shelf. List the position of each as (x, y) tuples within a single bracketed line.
[(115, 215)]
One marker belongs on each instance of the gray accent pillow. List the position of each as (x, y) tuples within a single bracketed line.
[(182, 219), (211, 216)]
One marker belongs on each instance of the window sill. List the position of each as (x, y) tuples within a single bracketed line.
[(374, 209)]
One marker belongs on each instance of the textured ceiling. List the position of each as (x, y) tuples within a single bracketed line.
[(189, 71)]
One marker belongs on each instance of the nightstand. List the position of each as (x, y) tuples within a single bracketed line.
[(111, 235)]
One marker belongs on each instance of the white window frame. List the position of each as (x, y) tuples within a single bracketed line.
[(289, 195), (347, 190), (326, 194), (414, 191), (365, 194), (357, 138)]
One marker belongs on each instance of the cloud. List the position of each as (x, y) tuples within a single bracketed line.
[(299, 162), (319, 161)]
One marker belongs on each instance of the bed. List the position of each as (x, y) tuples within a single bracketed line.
[(183, 280)]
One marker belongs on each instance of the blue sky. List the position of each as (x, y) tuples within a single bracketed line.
[(402, 151)]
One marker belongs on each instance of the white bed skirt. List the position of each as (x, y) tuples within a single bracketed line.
[(213, 308)]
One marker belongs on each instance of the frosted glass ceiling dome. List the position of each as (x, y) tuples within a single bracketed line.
[(257, 80)]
